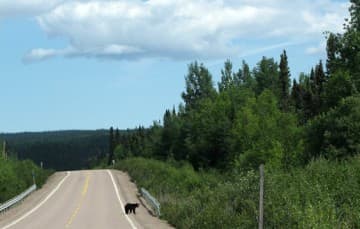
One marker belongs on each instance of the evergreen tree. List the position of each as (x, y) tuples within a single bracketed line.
[(111, 145), (320, 79), (332, 50), (117, 137), (166, 137), (312, 83), (171, 136), (297, 96), (284, 78), (314, 100)]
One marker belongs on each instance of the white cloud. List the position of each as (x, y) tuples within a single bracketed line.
[(319, 49), (184, 29), (9, 8), (110, 51), (40, 54)]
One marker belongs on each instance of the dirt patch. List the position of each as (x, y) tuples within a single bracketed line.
[(32, 200), (129, 192)]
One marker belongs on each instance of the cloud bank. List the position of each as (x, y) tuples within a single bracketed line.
[(177, 29)]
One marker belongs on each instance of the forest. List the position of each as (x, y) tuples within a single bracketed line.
[(43, 152), (59, 150), (306, 132)]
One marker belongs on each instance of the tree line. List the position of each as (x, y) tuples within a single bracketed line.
[(257, 115), (59, 150)]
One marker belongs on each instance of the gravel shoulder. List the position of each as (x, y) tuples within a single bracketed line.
[(29, 202), (129, 193)]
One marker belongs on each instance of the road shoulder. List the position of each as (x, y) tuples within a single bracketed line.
[(129, 194), (32, 200)]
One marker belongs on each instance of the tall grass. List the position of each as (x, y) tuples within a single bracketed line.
[(322, 195), (192, 199)]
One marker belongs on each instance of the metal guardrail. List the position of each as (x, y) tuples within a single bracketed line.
[(151, 201), (17, 199)]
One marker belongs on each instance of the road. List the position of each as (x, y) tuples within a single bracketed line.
[(82, 199)]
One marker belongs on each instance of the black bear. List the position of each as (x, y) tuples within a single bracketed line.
[(129, 207)]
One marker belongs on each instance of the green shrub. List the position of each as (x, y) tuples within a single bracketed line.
[(16, 177)]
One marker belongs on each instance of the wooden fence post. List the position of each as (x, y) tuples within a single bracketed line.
[(261, 199)]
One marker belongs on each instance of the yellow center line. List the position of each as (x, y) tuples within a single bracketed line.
[(83, 194), (86, 186)]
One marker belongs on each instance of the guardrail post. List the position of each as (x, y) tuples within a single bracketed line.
[(5, 206), (151, 200)]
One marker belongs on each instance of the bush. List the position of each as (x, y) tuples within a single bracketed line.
[(335, 134), (16, 177)]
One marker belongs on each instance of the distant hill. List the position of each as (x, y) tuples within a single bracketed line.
[(53, 136), (60, 150)]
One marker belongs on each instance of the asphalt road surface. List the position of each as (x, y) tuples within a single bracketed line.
[(81, 200)]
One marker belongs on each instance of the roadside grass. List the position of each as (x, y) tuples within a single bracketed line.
[(191, 199), (322, 195)]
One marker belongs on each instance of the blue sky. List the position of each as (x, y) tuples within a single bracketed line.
[(93, 64)]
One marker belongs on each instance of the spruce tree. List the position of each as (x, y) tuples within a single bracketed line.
[(320, 78), (117, 137), (284, 80), (332, 50), (296, 96), (111, 145)]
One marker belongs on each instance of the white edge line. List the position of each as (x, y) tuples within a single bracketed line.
[(121, 203), (39, 205)]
